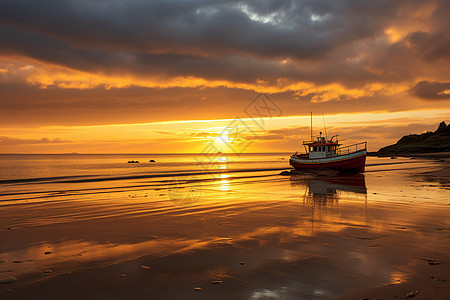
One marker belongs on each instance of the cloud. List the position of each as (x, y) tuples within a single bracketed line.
[(317, 42), (110, 62), (303, 29), (431, 90), (8, 141)]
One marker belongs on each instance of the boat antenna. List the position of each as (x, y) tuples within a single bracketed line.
[(324, 125), (311, 129)]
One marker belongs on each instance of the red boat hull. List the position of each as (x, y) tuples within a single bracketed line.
[(353, 165)]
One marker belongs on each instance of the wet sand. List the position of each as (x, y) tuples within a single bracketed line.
[(431, 155), (441, 175), (249, 235)]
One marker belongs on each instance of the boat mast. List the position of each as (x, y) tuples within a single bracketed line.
[(325, 125), (311, 129)]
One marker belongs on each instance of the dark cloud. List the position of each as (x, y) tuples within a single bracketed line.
[(32, 106), (8, 141), (239, 41), (431, 46), (431, 90), (276, 42), (228, 66), (277, 28)]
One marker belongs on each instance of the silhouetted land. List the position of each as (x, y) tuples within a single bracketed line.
[(430, 144)]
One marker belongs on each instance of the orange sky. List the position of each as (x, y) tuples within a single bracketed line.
[(174, 76)]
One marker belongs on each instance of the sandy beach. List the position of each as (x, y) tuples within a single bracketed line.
[(98, 228)]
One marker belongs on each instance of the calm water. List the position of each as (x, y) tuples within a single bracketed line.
[(195, 219)]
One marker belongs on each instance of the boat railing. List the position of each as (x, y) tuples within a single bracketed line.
[(349, 149)]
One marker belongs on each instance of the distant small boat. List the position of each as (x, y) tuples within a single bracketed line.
[(323, 153)]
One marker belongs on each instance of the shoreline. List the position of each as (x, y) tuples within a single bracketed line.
[(431, 155), (441, 175)]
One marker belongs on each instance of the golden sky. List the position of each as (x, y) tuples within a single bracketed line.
[(138, 76)]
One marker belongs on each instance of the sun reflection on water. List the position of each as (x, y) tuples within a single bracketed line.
[(224, 183), (398, 277)]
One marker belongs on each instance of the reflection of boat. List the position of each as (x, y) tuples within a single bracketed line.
[(331, 198), (328, 189), (324, 153), (353, 184)]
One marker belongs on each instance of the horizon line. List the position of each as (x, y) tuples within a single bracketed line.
[(168, 153)]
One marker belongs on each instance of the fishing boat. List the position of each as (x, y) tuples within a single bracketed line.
[(324, 153)]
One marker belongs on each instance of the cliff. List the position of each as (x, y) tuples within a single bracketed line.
[(429, 142)]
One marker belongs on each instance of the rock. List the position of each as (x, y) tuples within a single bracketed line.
[(198, 289), (47, 252), (145, 267), (432, 262), (17, 261), (241, 263), (152, 160), (437, 278), (217, 281), (411, 294), (49, 271), (285, 173), (122, 275), (8, 280), (8, 290)]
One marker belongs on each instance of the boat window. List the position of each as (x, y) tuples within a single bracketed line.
[(315, 148)]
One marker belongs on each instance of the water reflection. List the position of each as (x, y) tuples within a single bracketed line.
[(322, 195), (327, 190), (297, 237)]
